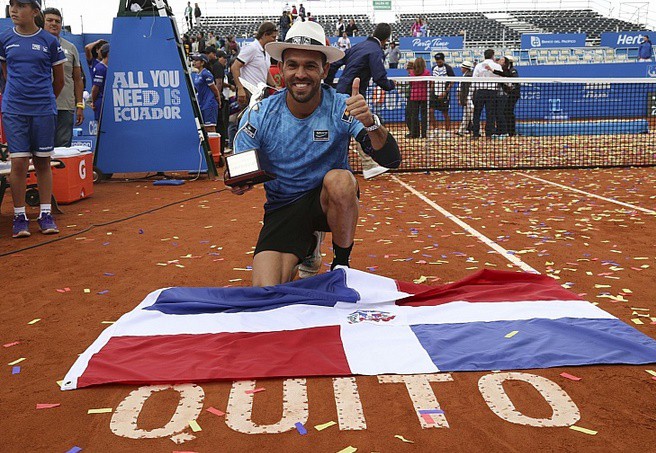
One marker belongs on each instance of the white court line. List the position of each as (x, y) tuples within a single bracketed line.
[(610, 200), (481, 237)]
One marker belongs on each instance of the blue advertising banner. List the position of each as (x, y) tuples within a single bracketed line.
[(622, 39), (552, 40), (430, 43), (148, 121)]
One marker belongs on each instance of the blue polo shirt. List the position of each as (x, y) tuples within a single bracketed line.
[(30, 59), (202, 81), (298, 151)]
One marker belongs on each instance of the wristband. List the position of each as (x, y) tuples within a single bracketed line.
[(80, 105)]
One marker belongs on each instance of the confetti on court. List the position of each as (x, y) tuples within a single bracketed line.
[(348, 449), (571, 377), (323, 426), (215, 411), (34, 321), (257, 390), (9, 345), (17, 361), (75, 449), (102, 410), (195, 427), (583, 430), (403, 439), (300, 428), (47, 405)]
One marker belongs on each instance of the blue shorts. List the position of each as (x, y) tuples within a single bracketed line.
[(29, 136), (210, 116)]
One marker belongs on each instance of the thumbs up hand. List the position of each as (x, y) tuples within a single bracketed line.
[(357, 107)]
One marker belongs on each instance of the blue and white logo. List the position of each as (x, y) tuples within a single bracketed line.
[(535, 41), (651, 70)]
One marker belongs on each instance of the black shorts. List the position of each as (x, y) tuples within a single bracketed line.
[(290, 229), (439, 104)]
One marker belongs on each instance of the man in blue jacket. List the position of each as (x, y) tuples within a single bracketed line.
[(365, 60), (645, 51)]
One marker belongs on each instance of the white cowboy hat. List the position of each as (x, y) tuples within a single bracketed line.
[(305, 36)]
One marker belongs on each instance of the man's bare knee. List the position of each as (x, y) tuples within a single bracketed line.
[(340, 185)]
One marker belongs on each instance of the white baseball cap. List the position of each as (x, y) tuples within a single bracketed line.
[(305, 36)]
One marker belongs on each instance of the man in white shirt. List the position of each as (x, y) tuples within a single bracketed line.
[(485, 95), (252, 64), (344, 43)]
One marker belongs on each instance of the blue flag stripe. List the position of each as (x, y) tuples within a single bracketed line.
[(538, 343)]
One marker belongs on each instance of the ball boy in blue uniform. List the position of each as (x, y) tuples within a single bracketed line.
[(32, 62)]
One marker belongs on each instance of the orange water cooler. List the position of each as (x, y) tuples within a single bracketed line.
[(73, 182)]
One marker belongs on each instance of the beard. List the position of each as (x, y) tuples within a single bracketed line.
[(307, 94)]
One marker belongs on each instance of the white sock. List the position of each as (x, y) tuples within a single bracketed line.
[(45, 209), (19, 211)]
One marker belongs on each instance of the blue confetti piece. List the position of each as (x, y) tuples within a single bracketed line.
[(300, 428), (105, 243), (431, 411), (141, 231), (75, 449), (105, 291), (108, 274), (15, 370)]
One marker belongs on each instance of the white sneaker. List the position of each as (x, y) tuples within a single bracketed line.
[(373, 172), (312, 263)]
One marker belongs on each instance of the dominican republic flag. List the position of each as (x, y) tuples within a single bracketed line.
[(350, 322)]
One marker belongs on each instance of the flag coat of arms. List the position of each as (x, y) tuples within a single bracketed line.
[(349, 322)]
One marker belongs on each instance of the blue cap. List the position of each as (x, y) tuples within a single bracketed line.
[(200, 57)]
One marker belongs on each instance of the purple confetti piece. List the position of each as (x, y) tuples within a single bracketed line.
[(108, 274), (141, 231), (105, 243), (104, 291), (431, 411), (15, 370), (300, 428), (75, 449)]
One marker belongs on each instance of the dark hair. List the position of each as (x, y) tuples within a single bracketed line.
[(53, 11), (439, 56), (267, 28), (382, 31), (488, 54)]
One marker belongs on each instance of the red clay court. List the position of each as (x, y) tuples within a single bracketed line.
[(592, 230)]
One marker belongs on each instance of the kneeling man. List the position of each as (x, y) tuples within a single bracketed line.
[(302, 136)]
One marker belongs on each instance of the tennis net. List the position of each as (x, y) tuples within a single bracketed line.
[(524, 122)]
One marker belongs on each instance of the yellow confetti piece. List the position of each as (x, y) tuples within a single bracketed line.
[(195, 427), (34, 321), (107, 322), (627, 291), (602, 286), (17, 361), (512, 334), (348, 449), (235, 280), (87, 290), (404, 439), (420, 280), (637, 321), (59, 383), (583, 430), (102, 410), (324, 425), (652, 372)]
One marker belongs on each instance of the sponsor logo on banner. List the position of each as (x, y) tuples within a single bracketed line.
[(651, 70), (553, 40), (427, 44), (621, 39)]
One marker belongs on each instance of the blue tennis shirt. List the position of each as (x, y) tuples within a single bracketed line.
[(202, 81), (298, 151), (30, 59)]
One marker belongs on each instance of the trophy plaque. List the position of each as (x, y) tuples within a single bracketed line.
[(243, 169)]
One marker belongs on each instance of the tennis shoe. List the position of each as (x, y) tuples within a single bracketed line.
[(373, 172), (21, 227), (47, 224), (312, 263)]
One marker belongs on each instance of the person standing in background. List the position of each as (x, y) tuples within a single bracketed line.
[(440, 99), (645, 50), (365, 61), (99, 77), (344, 43), (189, 16), (340, 27), (465, 99), (70, 103), (208, 94), (32, 64), (198, 14), (417, 104), (301, 11), (284, 24), (352, 28), (393, 56), (485, 94)]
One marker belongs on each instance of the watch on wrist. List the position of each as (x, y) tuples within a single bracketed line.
[(374, 126)]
